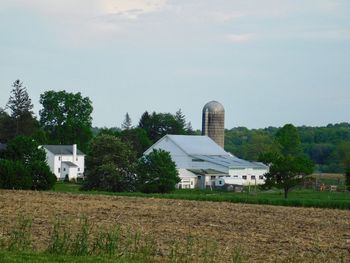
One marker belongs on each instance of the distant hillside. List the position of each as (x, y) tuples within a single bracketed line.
[(326, 146)]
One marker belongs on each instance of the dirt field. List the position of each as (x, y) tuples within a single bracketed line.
[(263, 233)]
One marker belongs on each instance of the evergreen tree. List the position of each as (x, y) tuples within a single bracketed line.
[(180, 117), (126, 125), (21, 107)]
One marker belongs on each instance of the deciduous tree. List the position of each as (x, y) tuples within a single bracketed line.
[(157, 173), (110, 165), (66, 117), (287, 165)]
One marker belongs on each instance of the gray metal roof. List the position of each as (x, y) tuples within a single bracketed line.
[(197, 145), (203, 147), (62, 149), (206, 172), (70, 164), (230, 161)]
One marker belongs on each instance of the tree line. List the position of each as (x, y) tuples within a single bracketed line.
[(328, 147)]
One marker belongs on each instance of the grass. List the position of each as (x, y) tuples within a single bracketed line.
[(36, 257), (68, 244), (297, 197)]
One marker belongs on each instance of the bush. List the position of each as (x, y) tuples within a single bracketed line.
[(14, 175), (43, 178), (110, 165), (157, 173)]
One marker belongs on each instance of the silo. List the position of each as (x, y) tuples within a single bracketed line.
[(213, 122)]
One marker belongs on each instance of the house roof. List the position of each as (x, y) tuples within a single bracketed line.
[(206, 172), (62, 149), (70, 164), (204, 148), (197, 145), (230, 161)]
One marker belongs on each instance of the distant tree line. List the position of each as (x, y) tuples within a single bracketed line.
[(328, 147)]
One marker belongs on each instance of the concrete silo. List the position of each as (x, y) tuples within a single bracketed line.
[(213, 122)]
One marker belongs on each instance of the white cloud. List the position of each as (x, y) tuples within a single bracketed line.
[(240, 38)]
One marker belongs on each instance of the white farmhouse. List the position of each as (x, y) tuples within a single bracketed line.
[(201, 162), (65, 161)]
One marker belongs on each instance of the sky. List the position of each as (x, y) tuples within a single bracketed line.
[(268, 62)]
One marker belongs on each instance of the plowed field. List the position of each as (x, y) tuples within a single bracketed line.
[(262, 233)]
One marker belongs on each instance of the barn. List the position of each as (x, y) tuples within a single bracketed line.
[(201, 162)]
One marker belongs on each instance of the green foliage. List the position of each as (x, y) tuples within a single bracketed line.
[(323, 145), (110, 165), (43, 178), (126, 125), (287, 165), (14, 175), (21, 120), (138, 139), (25, 152), (66, 117), (157, 173), (157, 125), (24, 149)]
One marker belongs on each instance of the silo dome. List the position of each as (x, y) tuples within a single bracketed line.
[(213, 122)]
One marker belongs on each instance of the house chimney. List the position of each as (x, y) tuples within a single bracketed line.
[(74, 153)]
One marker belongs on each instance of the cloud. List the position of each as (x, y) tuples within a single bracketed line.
[(240, 38), (131, 8)]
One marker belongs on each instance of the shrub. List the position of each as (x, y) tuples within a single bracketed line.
[(14, 175), (43, 178), (157, 173)]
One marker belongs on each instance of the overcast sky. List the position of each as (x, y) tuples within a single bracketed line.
[(269, 62)]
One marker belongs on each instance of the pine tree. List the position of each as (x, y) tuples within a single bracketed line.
[(21, 106), (126, 125), (180, 117)]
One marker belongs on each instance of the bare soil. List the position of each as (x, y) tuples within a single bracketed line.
[(262, 233)]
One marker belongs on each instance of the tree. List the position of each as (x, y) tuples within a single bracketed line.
[(14, 175), (159, 124), (66, 117), (157, 173), (26, 151), (138, 139), (347, 178), (287, 165), (21, 107), (180, 117), (110, 165), (7, 126), (126, 125), (42, 177)]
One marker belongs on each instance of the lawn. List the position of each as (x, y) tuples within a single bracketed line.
[(299, 198)]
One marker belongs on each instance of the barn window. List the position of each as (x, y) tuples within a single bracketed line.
[(64, 169), (59, 170), (253, 177), (212, 177), (78, 169), (244, 177), (59, 158), (197, 160), (261, 177)]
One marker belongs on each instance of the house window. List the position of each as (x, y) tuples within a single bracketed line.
[(191, 182), (212, 177), (244, 177), (261, 177), (64, 169), (253, 177), (78, 169), (59, 158), (59, 170)]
